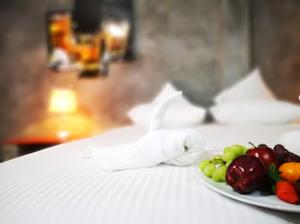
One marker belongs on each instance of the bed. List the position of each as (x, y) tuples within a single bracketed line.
[(61, 185)]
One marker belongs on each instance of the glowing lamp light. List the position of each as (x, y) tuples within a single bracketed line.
[(116, 37), (117, 30), (62, 101), (63, 135)]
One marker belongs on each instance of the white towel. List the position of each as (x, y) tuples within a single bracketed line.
[(291, 141), (174, 147), (179, 147)]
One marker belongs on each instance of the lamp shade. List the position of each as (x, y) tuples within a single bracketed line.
[(62, 101)]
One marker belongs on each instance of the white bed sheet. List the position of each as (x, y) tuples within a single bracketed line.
[(59, 185)]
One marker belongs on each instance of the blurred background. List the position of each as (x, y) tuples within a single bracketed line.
[(202, 46)]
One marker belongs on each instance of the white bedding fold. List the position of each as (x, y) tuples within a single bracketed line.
[(175, 147)]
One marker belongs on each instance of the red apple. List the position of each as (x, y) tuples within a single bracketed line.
[(265, 154), (246, 174)]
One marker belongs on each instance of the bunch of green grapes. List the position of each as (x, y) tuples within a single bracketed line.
[(216, 167), (232, 152)]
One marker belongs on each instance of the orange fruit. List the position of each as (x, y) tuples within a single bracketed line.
[(290, 171)]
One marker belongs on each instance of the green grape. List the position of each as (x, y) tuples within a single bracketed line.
[(209, 169), (237, 149), (245, 149), (228, 155), (203, 164), (217, 166), (227, 149), (232, 152), (217, 157), (240, 149), (227, 164), (219, 174)]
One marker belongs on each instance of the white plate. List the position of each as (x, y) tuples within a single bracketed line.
[(271, 201)]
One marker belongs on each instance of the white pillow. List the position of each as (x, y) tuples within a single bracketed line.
[(252, 87), (181, 113), (256, 112)]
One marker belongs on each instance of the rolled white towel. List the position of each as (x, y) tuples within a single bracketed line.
[(291, 141), (175, 147)]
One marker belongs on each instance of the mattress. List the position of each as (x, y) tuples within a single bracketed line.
[(62, 185)]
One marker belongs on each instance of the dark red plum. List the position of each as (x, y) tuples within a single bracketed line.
[(283, 155)]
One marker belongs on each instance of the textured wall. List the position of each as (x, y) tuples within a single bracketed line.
[(201, 45), (276, 37), (23, 86)]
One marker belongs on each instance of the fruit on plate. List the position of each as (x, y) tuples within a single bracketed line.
[(203, 164), (214, 168), (209, 169), (297, 187), (219, 174), (246, 174), (283, 155), (287, 192), (265, 154), (232, 152), (258, 168), (290, 171)]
